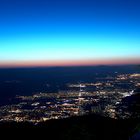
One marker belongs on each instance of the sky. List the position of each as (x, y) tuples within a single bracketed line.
[(69, 32)]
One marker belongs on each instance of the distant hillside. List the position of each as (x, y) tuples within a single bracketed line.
[(132, 103)]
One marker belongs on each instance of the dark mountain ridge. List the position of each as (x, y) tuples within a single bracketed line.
[(89, 127)]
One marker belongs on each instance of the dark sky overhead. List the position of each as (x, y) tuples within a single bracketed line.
[(58, 32)]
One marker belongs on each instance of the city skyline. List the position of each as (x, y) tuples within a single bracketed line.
[(69, 33)]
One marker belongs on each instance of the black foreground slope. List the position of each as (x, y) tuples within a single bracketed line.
[(90, 127)]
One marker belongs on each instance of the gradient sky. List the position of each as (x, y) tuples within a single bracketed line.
[(69, 32)]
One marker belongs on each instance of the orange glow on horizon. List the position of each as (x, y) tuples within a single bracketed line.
[(49, 63)]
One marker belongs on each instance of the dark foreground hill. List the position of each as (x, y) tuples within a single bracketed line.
[(90, 127)]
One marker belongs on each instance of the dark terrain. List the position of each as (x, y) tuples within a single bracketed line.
[(90, 127)]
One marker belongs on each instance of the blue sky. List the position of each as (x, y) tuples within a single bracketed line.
[(69, 29)]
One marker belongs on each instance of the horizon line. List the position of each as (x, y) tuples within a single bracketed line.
[(36, 67), (69, 63)]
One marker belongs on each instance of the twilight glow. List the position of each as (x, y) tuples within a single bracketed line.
[(69, 32)]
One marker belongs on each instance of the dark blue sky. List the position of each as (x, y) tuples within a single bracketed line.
[(69, 29)]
